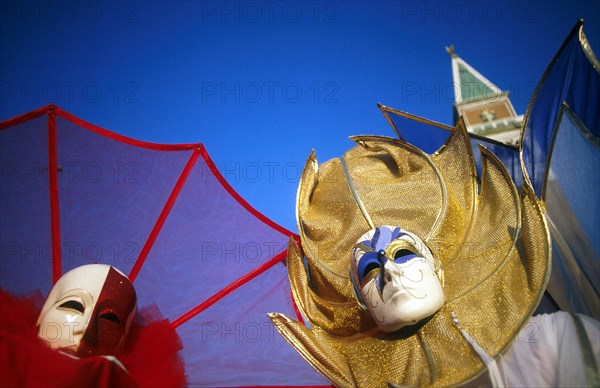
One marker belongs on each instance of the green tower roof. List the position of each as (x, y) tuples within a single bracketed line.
[(470, 85)]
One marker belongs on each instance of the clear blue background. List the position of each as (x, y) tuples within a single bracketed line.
[(261, 83)]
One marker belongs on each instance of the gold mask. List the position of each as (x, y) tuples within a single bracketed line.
[(492, 242)]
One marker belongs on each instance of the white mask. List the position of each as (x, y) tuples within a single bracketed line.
[(396, 278), (88, 311)]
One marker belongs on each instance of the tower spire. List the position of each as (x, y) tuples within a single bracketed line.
[(486, 109)]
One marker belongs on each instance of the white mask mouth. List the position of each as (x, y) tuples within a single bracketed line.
[(396, 278)]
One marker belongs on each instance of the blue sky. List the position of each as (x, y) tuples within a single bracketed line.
[(261, 83)]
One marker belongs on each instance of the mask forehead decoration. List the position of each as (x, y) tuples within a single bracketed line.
[(88, 312), (395, 278)]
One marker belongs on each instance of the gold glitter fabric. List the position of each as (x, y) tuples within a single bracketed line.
[(492, 241)]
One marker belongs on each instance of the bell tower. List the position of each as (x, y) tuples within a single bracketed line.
[(486, 109)]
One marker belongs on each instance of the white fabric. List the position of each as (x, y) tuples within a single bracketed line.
[(547, 352)]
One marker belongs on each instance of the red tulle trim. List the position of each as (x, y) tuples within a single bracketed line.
[(150, 355)]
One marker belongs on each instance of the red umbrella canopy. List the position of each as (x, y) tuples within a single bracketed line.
[(74, 193)]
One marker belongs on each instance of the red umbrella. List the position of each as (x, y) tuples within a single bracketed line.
[(74, 193)]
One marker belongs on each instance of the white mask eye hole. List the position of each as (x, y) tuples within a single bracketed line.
[(72, 306), (368, 265), (370, 275), (401, 251), (112, 317)]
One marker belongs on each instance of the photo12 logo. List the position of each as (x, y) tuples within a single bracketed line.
[(79, 252), (117, 92), (470, 11), (255, 172), (236, 252), (436, 92), (14, 172), (248, 332), (269, 92), (71, 12), (52, 332), (270, 12)]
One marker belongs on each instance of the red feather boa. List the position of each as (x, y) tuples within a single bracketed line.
[(150, 356)]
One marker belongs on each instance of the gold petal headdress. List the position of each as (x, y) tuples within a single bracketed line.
[(492, 242)]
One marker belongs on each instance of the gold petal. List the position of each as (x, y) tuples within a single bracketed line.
[(455, 161), (318, 354), (492, 235), (340, 319)]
